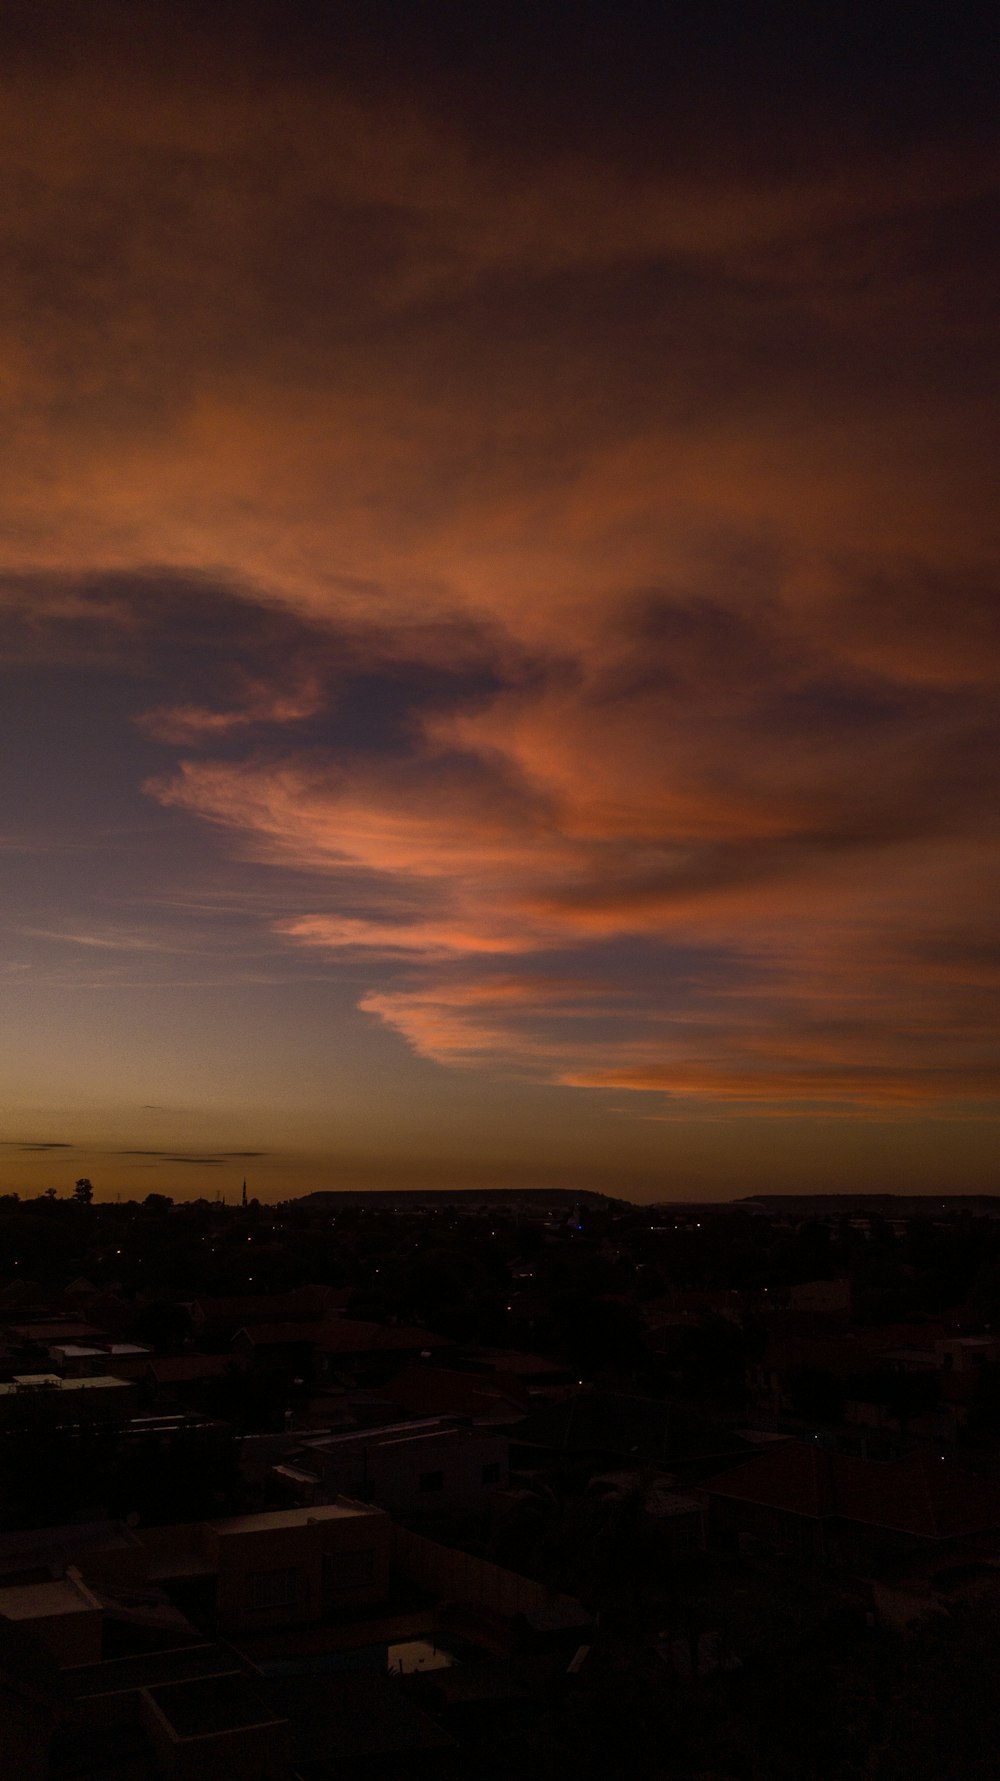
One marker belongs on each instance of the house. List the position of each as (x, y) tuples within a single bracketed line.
[(108, 1554), (415, 1468), (222, 1318), (934, 1580), (594, 1430), (31, 1703), (374, 1349), (63, 1614), (445, 1391), (44, 1400), (179, 1374), (186, 1714), (286, 1567), (537, 1375), (693, 1303), (37, 1334), (481, 1600), (127, 1360), (215, 1725), (967, 1355), (810, 1502), (826, 1298), (287, 1346)]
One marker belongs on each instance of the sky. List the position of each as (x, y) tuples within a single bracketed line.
[(498, 616)]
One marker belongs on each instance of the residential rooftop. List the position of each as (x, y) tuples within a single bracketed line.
[(42, 1601), (46, 1382), (267, 1520)]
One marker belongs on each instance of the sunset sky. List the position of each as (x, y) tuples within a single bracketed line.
[(498, 611)]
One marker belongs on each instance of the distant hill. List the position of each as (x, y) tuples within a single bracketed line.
[(535, 1199), (875, 1205)]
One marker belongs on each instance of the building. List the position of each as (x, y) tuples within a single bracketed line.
[(44, 1400), (411, 1468), (807, 1501), (62, 1613), (288, 1567), (126, 1360)]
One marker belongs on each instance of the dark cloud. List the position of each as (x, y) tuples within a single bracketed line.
[(9, 1144), (209, 1162), (166, 1156)]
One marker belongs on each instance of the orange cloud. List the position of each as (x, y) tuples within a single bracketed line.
[(187, 724), (469, 1021)]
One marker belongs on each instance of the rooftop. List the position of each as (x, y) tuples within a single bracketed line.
[(79, 1350), (361, 1716), (921, 1494), (42, 1601), (55, 1330), (45, 1382), (381, 1431), (180, 1369), (152, 1669), (268, 1519), (205, 1704), (350, 1335)]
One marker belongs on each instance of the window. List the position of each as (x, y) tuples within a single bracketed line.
[(432, 1480), (273, 1589), (491, 1474), (348, 1570)]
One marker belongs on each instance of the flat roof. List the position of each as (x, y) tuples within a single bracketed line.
[(65, 1329), (152, 1669), (205, 1704), (344, 1510), (41, 1601), (379, 1431), (461, 1435), (51, 1382), (351, 1719)]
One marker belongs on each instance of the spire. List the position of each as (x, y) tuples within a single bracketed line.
[(244, 1190)]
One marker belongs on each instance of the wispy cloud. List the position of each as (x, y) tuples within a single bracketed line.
[(49, 1144), (103, 942)]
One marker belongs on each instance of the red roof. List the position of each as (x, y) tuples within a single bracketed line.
[(279, 1335), (521, 1365), (843, 1355), (52, 1331), (442, 1391), (303, 1304), (350, 1335), (920, 1494), (180, 1369)]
